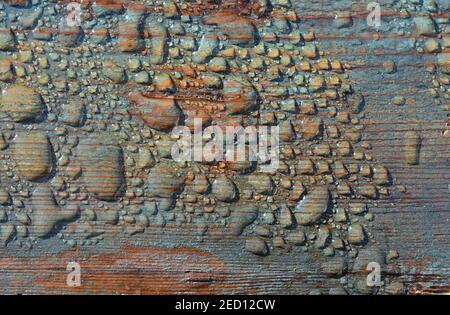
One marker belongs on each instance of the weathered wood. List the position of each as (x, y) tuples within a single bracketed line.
[(180, 260)]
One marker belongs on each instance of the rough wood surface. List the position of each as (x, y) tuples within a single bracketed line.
[(415, 222)]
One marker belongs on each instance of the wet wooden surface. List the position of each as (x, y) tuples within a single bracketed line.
[(415, 223)]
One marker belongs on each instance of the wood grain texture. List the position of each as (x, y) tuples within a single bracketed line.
[(415, 223)]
